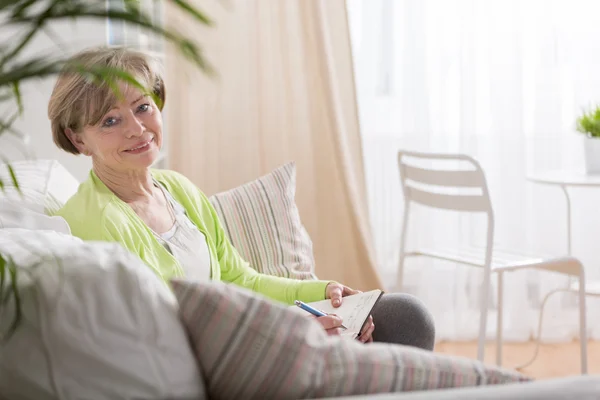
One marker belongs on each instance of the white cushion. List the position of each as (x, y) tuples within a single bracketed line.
[(97, 324), (22, 214), (43, 182)]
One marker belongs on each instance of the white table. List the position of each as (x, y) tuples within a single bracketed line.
[(565, 179)]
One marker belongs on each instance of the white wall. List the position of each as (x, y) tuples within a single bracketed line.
[(72, 36)]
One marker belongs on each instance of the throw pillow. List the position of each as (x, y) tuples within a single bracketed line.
[(45, 183), (262, 222), (14, 214), (251, 348), (97, 323)]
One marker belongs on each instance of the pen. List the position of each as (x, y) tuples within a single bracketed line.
[(313, 311)]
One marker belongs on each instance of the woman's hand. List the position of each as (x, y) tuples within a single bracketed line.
[(331, 323), (335, 291), (366, 335)]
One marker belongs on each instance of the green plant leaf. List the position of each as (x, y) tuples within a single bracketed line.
[(94, 11), (111, 77), (589, 122), (12, 270), (37, 22), (17, 92), (6, 281), (37, 67), (7, 290), (199, 15), (3, 268), (55, 38), (6, 126), (13, 177), (8, 3), (132, 5), (21, 9)]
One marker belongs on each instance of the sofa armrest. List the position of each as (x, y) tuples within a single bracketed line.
[(577, 387)]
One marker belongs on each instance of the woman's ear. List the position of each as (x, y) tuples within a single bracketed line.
[(77, 141)]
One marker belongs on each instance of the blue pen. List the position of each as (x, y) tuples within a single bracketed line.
[(312, 310)]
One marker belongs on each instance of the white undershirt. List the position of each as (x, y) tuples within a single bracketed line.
[(186, 243)]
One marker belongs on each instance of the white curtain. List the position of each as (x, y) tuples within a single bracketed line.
[(503, 81), (283, 92)]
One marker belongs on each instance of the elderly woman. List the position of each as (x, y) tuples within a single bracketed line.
[(160, 215)]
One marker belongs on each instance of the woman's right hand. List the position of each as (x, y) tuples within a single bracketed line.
[(331, 323)]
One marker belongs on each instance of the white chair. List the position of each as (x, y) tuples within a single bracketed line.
[(465, 190)]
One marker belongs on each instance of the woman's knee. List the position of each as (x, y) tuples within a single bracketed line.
[(403, 319)]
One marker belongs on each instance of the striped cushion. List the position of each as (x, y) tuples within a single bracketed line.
[(262, 222), (251, 348)]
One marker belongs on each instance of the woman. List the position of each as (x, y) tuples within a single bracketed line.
[(160, 215)]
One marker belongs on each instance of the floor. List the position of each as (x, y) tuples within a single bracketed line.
[(554, 360)]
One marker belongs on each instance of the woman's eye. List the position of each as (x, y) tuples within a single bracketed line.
[(110, 121), (144, 107)]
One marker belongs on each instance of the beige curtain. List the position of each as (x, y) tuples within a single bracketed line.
[(284, 91)]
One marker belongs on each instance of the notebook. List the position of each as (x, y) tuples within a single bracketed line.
[(354, 311)]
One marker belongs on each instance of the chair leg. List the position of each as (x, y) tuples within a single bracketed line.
[(582, 323), (499, 327), (402, 258), (483, 313), (400, 276), (539, 331)]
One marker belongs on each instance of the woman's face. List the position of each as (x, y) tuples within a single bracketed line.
[(128, 137)]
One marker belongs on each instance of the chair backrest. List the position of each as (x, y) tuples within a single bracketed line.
[(456, 182)]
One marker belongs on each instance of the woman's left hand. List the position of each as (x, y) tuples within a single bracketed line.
[(335, 291)]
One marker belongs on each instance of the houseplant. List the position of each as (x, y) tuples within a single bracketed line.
[(588, 123), (35, 18)]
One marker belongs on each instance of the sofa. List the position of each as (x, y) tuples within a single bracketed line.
[(96, 323), (577, 387)]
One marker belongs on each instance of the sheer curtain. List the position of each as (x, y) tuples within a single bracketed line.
[(503, 81), (283, 92)]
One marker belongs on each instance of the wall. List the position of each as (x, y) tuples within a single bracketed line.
[(66, 38)]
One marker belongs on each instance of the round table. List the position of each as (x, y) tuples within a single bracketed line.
[(565, 179)]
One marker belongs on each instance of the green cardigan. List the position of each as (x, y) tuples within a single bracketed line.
[(96, 213)]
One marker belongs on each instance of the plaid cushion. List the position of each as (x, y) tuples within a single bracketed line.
[(250, 348), (263, 224)]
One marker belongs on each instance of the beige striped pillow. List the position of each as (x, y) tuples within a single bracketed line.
[(251, 348), (262, 222)]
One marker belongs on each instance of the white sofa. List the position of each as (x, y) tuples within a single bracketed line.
[(97, 324)]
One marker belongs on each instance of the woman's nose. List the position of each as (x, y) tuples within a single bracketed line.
[(135, 127)]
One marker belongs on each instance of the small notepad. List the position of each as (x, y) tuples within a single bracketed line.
[(354, 311)]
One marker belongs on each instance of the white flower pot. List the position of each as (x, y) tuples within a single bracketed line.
[(591, 147)]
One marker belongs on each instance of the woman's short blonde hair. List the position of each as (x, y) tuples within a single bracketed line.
[(78, 101)]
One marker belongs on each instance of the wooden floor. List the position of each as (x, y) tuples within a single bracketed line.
[(553, 360)]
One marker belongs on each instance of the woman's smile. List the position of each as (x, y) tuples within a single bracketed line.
[(140, 147)]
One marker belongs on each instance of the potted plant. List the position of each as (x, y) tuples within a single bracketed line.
[(588, 123)]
